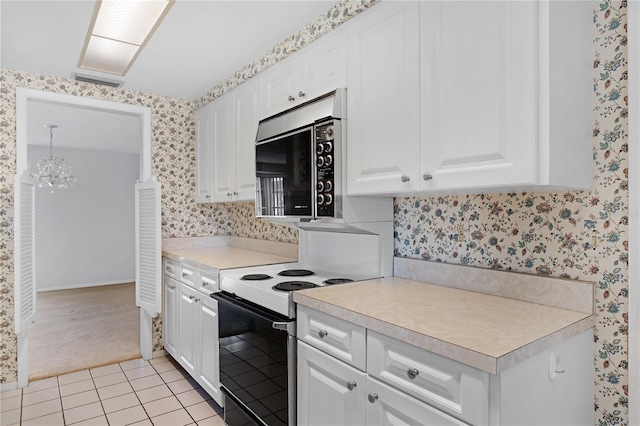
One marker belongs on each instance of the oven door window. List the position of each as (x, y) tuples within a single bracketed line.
[(284, 175)]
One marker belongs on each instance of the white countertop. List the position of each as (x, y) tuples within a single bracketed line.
[(224, 257), (484, 331)]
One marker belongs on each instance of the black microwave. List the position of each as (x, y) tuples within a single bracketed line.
[(298, 161)]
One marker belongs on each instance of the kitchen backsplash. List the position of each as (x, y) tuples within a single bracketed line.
[(574, 234)]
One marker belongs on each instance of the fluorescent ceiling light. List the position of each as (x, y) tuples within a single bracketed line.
[(119, 30)]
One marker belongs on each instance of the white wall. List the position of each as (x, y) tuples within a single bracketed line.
[(85, 234)]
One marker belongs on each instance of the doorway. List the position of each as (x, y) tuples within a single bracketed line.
[(142, 116)]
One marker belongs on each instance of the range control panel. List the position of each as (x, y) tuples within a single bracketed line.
[(324, 146)]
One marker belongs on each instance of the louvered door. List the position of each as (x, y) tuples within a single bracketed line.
[(25, 287), (148, 247)]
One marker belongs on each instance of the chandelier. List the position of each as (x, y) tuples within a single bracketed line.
[(52, 172)]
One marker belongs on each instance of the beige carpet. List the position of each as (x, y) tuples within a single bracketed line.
[(83, 328)]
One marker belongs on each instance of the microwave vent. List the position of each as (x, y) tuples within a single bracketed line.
[(85, 78)]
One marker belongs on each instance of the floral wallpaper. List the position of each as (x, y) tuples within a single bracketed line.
[(576, 234)]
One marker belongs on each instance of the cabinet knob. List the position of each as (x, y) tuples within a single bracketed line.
[(207, 196), (229, 194), (372, 397), (412, 373), (405, 178), (235, 192), (427, 176), (196, 300), (301, 94), (291, 98), (351, 385), (191, 297), (322, 333)]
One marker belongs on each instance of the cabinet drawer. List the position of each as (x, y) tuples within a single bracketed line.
[(334, 336), (209, 283), (453, 387), (189, 276), (170, 268), (388, 406)]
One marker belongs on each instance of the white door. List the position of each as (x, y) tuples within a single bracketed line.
[(322, 66), (25, 280), (169, 317), (204, 154), (248, 111), (330, 392), (209, 368), (187, 328), (478, 94), (148, 247), (388, 406), (383, 88), (280, 84), (223, 148)]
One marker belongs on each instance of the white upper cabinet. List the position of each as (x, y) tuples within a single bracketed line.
[(204, 154), (317, 69), (225, 145), (383, 90), (248, 111), (504, 98)]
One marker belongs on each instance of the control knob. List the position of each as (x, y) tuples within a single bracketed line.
[(320, 199), (328, 199), (328, 146), (319, 148), (328, 160), (328, 185), (320, 161), (320, 185)]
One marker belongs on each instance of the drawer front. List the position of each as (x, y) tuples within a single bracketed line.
[(388, 406), (209, 283), (342, 339), (189, 275), (453, 387), (170, 268)]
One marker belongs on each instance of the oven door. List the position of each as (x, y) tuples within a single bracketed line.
[(285, 184), (257, 363)]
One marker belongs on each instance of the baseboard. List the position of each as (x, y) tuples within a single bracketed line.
[(4, 387), (159, 354), (85, 285)]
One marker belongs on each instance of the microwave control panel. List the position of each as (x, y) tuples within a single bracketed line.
[(324, 153)]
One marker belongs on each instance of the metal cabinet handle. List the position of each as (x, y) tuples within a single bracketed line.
[(372, 397), (405, 178), (291, 98), (229, 194), (185, 274), (196, 300), (207, 196), (235, 192), (322, 333), (351, 385), (427, 176), (191, 297), (301, 94), (412, 373)]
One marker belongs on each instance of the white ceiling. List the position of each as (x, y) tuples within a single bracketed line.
[(199, 44)]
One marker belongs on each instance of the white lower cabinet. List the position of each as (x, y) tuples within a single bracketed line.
[(330, 392), (406, 385), (190, 325)]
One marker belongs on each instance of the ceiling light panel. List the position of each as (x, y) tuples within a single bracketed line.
[(128, 21), (118, 32)]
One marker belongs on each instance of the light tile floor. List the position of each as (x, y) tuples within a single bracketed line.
[(138, 392)]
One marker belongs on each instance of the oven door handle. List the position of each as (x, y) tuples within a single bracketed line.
[(288, 326)]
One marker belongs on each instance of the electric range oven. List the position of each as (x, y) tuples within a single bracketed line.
[(257, 322)]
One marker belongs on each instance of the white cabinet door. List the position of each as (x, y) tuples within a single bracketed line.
[(280, 83), (208, 355), (329, 391), (388, 406), (204, 154), (248, 111), (223, 148), (478, 95), (322, 66), (187, 320), (169, 317), (383, 88)]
